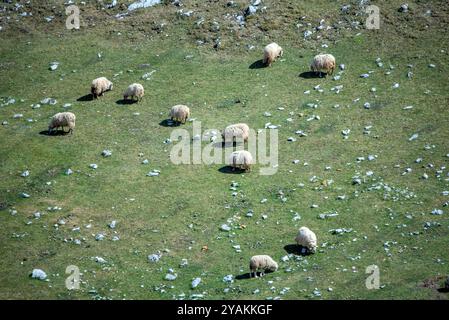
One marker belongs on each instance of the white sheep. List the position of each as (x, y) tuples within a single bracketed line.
[(323, 62), (234, 131), (241, 159), (62, 119), (307, 238), (271, 53), (100, 86), (262, 262), (134, 90), (180, 113)]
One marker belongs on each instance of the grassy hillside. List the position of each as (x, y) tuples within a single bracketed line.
[(389, 214)]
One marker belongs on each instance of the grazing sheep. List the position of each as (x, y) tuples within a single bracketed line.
[(134, 90), (62, 119), (241, 159), (307, 239), (180, 113), (271, 53), (100, 86), (263, 262), (323, 62), (239, 130)]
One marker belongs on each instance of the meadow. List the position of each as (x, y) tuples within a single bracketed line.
[(387, 202)]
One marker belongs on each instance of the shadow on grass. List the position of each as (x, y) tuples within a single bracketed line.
[(443, 290), (248, 275), (296, 250), (230, 170), (54, 133), (257, 65), (169, 123), (311, 75), (126, 102), (87, 97)]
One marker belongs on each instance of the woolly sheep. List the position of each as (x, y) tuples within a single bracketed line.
[(307, 238), (134, 90), (100, 86), (180, 113), (262, 262), (238, 130), (323, 62), (241, 159), (62, 119), (271, 53)]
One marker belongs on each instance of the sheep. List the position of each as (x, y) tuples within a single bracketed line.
[(271, 53), (62, 119), (180, 113), (238, 130), (100, 86), (241, 159), (134, 90), (307, 238), (263, 262), (323, 62)]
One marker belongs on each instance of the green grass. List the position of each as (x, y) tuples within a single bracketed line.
[(155, 213)]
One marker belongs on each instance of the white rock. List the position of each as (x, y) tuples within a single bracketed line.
[(170, 277), (437, 212), (100, 260), (143, 4), (228, 279), (154, 257), (106, 153), (54, 66), (99, 237), (38, 274), (225, 227)]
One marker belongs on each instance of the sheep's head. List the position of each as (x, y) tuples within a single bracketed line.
[(274, 267), (111, 85), (281, 53)]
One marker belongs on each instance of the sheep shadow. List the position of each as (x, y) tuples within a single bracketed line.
[(54, 133), (311, 75), (168, 123), (247, 275), (443, 290), (258, 65), (243, 276), (228, 144), (126, 102), (87, 97), (229, 170), (296, 250)]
